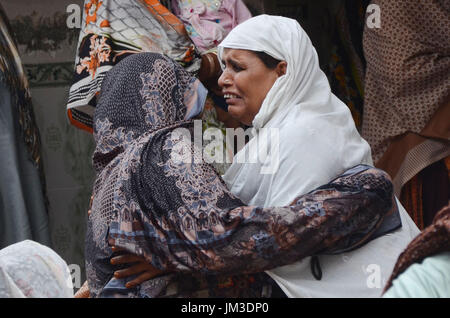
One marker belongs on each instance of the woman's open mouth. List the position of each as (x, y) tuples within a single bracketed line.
[(230, 96), (231, 99)]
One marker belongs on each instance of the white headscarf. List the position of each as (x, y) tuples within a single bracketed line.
[(317, 142), (318, 139), (31, 270)]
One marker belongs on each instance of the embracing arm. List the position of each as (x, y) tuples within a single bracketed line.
[(338, 216)]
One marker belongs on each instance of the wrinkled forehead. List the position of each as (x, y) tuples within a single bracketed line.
[(228, 55), (236, 53)]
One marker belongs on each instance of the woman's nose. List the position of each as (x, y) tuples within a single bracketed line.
[(224, 79)]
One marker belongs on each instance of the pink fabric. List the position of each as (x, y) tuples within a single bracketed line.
[(211, 25)]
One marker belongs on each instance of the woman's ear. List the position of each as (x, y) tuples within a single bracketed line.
[(281, 68)]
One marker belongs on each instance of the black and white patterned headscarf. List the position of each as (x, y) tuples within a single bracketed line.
[(145, 92)]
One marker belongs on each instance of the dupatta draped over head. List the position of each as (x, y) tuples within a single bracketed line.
[(180, 215), (317, 141)]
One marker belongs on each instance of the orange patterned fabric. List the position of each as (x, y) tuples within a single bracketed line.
[(447, 164), (105, 24), (91, 9), (415, 197), (164, 15), (411, 199)]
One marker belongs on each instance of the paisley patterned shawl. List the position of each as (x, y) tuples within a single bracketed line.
[(180, 215), (141, 94)]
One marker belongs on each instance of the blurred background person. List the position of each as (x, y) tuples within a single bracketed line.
[(407, 102), (23, 210)]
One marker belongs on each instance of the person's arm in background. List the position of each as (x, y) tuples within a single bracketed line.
[(430, 279)]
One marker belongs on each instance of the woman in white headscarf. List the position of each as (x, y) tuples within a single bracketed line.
[(317, 140), (31, 270)]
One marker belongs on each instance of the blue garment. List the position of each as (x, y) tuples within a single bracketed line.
[(22, 208)]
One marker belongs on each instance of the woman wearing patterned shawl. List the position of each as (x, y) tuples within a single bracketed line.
[(112, 30), (179, 214), (407, 102)]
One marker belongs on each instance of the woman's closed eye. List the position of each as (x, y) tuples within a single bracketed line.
[(235, 66)]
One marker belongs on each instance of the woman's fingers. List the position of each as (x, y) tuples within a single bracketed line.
[(142, 278), (117, 249), (126, 259), (140, 266), (132, 270)]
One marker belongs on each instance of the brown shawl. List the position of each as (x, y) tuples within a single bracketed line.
[(407, 87)]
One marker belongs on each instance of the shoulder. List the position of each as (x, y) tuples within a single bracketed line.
[(427, 279)]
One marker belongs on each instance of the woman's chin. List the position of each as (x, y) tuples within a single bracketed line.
[(235, 115), (241, 119)]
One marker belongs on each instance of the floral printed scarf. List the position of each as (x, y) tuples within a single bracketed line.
[(112, 30)]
